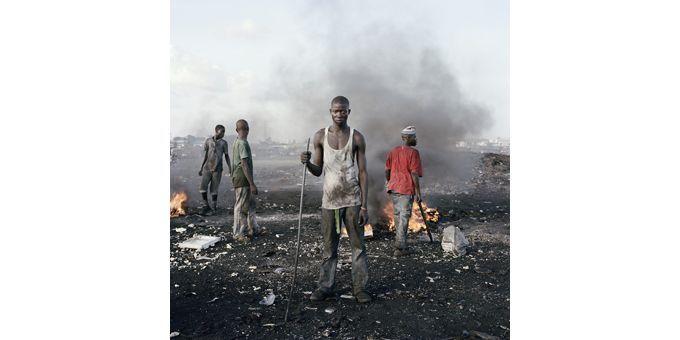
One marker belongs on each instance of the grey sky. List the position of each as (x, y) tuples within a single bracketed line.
[(234, 59)]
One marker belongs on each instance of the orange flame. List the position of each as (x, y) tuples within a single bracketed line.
[(416, 222), (177, 204), (368, 231)]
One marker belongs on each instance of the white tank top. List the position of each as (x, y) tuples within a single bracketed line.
[(341, 181)]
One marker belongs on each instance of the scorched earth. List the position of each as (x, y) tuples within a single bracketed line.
[(215, 293)]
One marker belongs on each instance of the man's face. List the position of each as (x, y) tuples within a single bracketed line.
[(243, 130), (219, 133), (339, 113)]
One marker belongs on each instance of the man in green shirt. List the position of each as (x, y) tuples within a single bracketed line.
[(245, 226)]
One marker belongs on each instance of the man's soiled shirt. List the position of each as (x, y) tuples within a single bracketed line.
[(402, 161), (215, 149), (240, 153)]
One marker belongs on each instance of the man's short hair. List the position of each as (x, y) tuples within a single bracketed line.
[(241, 122), (219, 127), (342, 100)]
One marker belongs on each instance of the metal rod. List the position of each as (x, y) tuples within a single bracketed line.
[(427, 227), (297, 247)]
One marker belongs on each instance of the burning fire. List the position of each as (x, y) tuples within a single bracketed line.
[(177, 204), (368, 231), (415, 224)]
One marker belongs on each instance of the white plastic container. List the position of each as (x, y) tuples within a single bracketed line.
[(199, 242)]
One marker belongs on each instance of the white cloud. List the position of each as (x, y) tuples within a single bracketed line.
[(245, 28), (203, 94)]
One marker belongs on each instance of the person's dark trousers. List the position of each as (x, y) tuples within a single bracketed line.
[(331, 237)]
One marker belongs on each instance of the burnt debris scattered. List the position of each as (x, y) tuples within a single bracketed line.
[(238, 290)]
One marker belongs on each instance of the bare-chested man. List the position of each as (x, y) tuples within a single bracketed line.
[(340, 154)]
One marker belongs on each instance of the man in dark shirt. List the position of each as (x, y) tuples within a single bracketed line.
[(211, 168)]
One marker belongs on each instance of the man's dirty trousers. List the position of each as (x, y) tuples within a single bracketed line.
[(402, 213), (331, 237)]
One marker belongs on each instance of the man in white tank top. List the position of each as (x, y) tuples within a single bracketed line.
[(340, 154)]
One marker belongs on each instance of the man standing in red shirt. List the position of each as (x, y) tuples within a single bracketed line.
[(402, 170)]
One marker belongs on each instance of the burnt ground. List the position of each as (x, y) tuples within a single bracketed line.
[(215, 293)]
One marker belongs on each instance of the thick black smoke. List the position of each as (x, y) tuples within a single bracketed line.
[(391, 74), (392, 80)]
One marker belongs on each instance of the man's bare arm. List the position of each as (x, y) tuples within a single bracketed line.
[(315, 163), (205, 159), (416, 182), (360, 142), (249, 175), (226, 156)]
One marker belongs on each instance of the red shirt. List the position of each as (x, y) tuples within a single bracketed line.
[(402, 161)]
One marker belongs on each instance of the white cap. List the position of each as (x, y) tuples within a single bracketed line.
[(409, 130)]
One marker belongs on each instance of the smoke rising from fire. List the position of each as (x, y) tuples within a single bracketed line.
[(392, 79), (393, 74)]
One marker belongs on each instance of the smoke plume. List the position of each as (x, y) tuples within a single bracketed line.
[(392, 80), (392, 75)]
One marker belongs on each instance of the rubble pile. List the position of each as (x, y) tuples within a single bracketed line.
[(493, 173)]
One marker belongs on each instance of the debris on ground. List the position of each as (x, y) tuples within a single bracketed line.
[(428, 294), (454, 241), (199, 242), (268, 300), (203, 257), (483, 336)]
